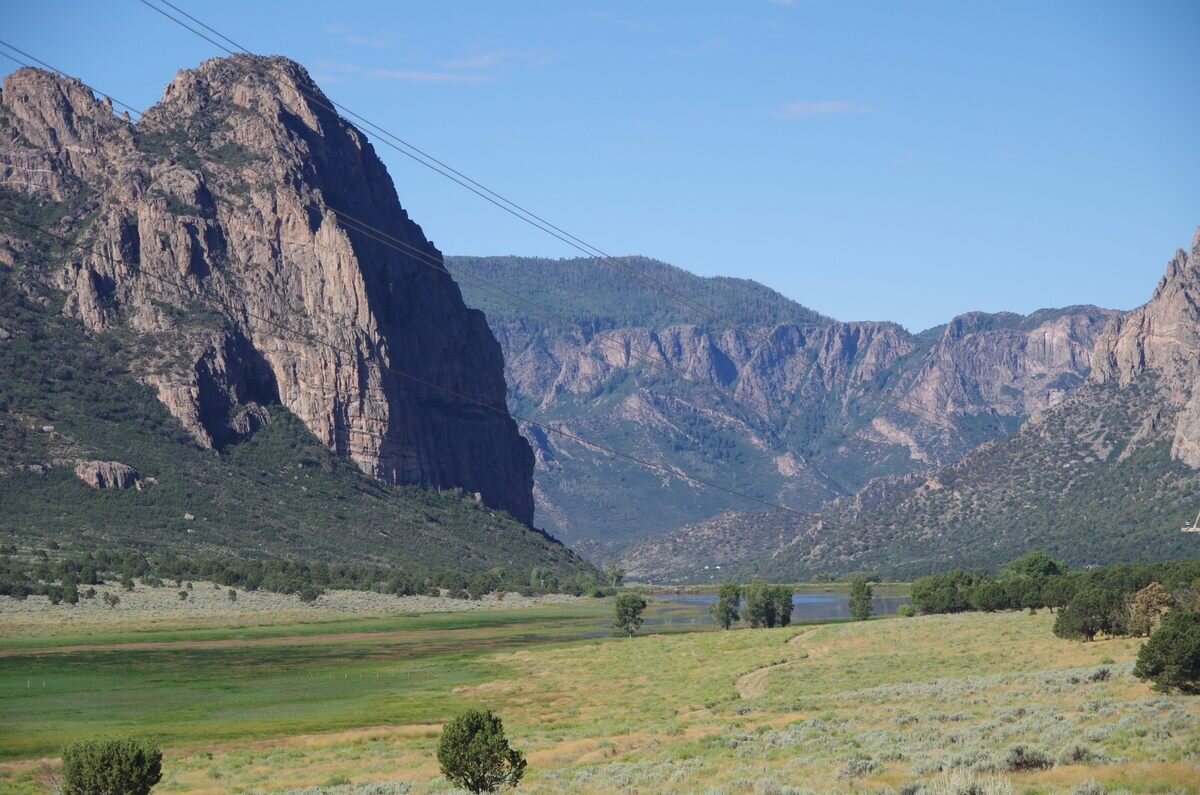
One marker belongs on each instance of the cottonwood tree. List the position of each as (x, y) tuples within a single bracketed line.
[(475, 755), (783, 604), (860, 599), (614, 575), (725, 609), (629, 613), (766, 605)]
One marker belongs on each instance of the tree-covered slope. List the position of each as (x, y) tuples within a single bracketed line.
[(67, 395), (621, 292)]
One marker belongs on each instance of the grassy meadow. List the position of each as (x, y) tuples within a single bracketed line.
[(354, 704)]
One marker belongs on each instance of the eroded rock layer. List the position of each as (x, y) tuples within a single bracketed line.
[(227, 229)]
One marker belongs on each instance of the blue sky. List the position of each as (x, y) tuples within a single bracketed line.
[(881, 160)]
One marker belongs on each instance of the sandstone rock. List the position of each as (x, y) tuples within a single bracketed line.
[(106, 474), (249, 285), (5, 336), (1163, 337)]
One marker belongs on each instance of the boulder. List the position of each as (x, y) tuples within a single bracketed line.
[(106, 474)]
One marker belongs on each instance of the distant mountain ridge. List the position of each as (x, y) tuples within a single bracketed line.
[(762, 394), (1109, 473)]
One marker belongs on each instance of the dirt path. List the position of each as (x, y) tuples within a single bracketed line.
[(753, 684)]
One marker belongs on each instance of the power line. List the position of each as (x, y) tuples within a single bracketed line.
[(411, 152), (407, 149), (502, 410), (367, 230), (424, 258)]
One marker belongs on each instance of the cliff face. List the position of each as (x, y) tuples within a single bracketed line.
[(1108, 473), (769, 397), (1163, 337), (218, 229)]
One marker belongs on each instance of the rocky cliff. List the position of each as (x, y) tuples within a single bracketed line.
[(762, 394), (1108, 473), (1163, 338), (220, 238)]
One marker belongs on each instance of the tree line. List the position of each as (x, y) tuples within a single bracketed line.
[(761, 605), (1156, 600), (61, 577)]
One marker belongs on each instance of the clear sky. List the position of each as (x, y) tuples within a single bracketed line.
[(880, 160)]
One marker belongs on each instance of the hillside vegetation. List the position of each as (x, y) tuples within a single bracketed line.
[(624, 291), (278, 494)]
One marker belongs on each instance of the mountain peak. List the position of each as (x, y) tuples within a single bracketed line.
[(226, 230)]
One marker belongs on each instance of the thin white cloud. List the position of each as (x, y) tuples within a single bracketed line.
[(495, 58), (714, 44), (628, 23), (347, 35), (338, 71), (355, 40), (825, 107), (425, 76)]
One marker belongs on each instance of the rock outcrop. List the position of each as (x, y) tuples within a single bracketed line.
[(768, 396), (1108, 473), (107, 474), (1163, 337), (254, 242)]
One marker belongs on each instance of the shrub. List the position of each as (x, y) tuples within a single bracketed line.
[(475, 755), (115, 766), (309, 595), (232, 595), (1021, 758), (1171, 658), (906, 611), (989, 596)]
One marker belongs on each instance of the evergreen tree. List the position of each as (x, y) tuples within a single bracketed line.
[(475, 755)]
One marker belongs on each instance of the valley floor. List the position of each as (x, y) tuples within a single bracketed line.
[(354, 704)]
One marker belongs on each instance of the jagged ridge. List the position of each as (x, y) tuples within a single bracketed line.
[(212, 234)]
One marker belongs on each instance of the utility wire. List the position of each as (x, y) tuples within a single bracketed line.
[(367, 230), (413, 153), (425, 258), (502, 410), (407, 149)]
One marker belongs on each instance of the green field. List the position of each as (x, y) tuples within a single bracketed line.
[(826, 708)]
